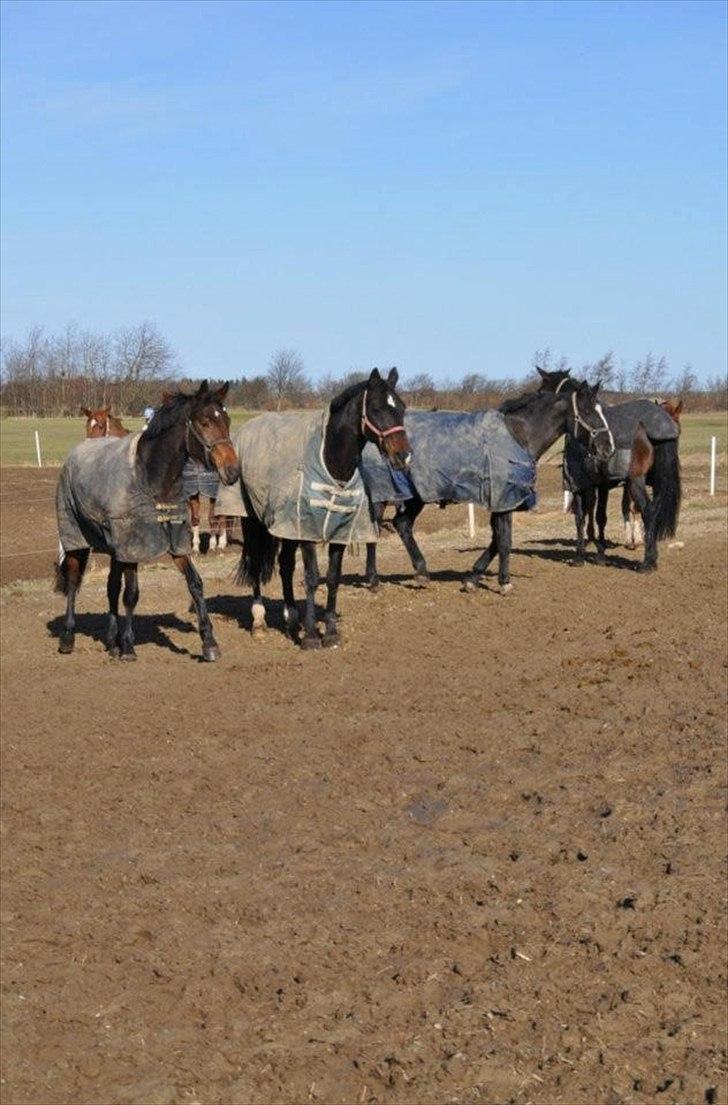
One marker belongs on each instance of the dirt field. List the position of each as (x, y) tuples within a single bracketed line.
[(475, 855)]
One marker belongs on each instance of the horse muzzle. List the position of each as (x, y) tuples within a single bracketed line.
[(397, 450), (226, 462)]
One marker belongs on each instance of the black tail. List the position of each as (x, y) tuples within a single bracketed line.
[(258, 557), (666, 488)]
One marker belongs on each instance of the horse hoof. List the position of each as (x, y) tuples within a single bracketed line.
[(114, 651), (646, 567), (373, 586), (331, 640), (310, 643), (422, 579), (578, 562), (128, 655), (505, 588), (66, 643), (258, 632), (211, 653), (469, 586)]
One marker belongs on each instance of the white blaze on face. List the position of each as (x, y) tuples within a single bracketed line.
[(92, 423), (390, 400)]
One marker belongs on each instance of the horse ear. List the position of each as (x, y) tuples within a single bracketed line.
[(374, 375), (86, 412), (542, 374), (201, 389), (595, 388), (678, 408), (222, 391), (393, 377), (107, 411)]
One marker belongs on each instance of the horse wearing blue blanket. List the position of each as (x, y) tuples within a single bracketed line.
[(483, 457)]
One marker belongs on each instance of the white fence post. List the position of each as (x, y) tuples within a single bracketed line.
[(713, 460), (37, 449), (471, 519)]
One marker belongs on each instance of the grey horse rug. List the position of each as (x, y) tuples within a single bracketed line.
[(198, 480), (457, 457), (284, 482), (103, 502), (582, 469)]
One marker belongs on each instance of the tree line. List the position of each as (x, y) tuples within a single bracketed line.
[(127, 370)]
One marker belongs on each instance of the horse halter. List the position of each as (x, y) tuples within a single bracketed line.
[(367, 424), (579, 421), (207, 446), (566, 380)]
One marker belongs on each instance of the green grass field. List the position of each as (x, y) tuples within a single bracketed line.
[(59, 435)]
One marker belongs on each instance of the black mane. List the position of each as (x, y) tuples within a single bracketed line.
[(167, 415), (341, 400), (523, 403)]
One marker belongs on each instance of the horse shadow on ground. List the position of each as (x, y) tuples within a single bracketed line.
[(148, 630), (239, 609), (567, 555)]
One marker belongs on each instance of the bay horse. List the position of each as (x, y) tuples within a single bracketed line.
[(368, 411), (647, 457), (102, 423), (122, 496), (198, 481), (534, 421)]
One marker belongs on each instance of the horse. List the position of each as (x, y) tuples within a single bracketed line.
[(197, 481), (314, 495), (484, 456), (102, 423), (646, 435), (122, 496)]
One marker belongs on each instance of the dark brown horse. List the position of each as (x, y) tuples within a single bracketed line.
[(642, 461), (123, 497)]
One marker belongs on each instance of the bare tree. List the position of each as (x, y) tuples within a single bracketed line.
[(286, 377), (421, 388), (686, 382)]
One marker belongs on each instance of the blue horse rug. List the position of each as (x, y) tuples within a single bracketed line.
[(582, 469), (103, 502), (457, 457), (284, 482), (198, 480)]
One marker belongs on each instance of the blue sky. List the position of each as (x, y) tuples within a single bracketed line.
[(442, 186)]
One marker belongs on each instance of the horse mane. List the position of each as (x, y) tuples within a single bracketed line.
[(347, 394), (167, 415), (522, 403)]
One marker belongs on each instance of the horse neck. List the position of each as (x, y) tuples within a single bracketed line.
[(162, 459), (538, 428), (343, 440)]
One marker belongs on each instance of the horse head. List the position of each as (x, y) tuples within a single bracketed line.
[(590, 427), (382, 418), (208, 432)]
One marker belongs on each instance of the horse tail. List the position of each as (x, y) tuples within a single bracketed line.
[(666, 488), (258, 557)]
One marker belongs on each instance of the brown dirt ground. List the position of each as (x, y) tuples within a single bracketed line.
[(475, 855)]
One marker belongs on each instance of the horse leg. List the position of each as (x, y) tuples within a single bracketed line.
[(331, 633), (504, 530), (590, 533), (479, 568), (70, 573), (583, 503), (194, 502), (641, 499), (372, 575), (286, 567), (222, 527), (310, 638), (129, 598), (210, 650), (212, 524), (404, 521), (601, 515), (113, 590), (628, 517)]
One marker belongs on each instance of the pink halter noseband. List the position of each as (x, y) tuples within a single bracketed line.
[(366, 424)]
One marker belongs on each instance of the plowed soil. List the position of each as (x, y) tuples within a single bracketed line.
[(474, 855)]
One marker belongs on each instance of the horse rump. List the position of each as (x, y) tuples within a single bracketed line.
[(258, 557), (666, 488)]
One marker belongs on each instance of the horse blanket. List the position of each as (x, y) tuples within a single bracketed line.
[(457, 457), (198, 480), (103, 502), (284, 482), (582, 469)]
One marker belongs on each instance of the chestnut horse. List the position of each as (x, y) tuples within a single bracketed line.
[(102, 423)]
